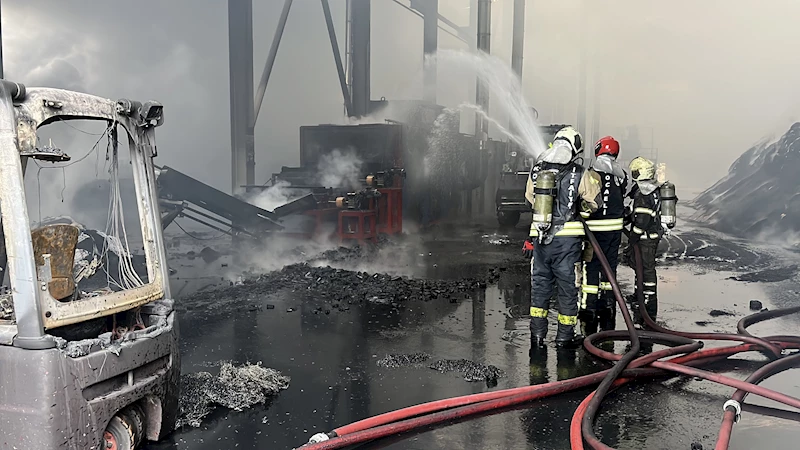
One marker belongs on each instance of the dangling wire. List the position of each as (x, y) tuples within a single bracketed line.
[(116, 234)]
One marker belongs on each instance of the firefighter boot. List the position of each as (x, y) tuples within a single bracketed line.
[(588, 322), (566, 337), (607, 318), (538, 331)]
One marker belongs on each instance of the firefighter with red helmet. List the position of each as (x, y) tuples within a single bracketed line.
[(597, 304)]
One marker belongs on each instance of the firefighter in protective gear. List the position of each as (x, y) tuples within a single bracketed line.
[(597, 303), (646, 230), (558, 246)]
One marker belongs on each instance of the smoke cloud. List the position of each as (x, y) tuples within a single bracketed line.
[(701, 87), (340, 169)]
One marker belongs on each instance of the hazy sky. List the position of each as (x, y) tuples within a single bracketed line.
[(709, 77)]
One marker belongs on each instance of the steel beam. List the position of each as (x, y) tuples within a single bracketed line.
[(518, 37), (337, 57), (582, 72), (240, 55), (430, 44), (273, 52), (482, 92), (359, 39)]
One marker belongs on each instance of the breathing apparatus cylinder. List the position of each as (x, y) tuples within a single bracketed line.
[(669, 204), (544, 193)]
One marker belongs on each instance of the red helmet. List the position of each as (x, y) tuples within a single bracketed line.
[(606, 146)]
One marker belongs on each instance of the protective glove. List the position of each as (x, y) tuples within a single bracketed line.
[(627, 217), (588, 252), (527, 248)]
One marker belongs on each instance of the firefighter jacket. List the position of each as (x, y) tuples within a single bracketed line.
[(614, 188), (646, 213), (577, 191)]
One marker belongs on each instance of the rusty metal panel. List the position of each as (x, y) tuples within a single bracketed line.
[(59, 241)]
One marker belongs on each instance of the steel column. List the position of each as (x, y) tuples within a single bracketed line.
[(430, 44), (240, 55), (360, 15), (518, 38), (582, 72), (482, 92)]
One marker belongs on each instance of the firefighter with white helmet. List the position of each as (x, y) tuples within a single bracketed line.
[(559, 189)]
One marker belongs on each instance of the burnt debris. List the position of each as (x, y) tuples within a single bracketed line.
[(340, 287), (235, 388), (471, 370), (403, 360)]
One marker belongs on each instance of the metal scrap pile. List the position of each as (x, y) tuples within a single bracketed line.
[(402, 360), (235, 388), (471, 370)]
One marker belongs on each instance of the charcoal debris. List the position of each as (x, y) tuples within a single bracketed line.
[(403, 360), (471, 370), (719, 312), (341, 287), (771, 275), (236, 388), (755, 305)]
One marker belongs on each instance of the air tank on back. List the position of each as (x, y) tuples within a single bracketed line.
[(669, 204), (543, 200)]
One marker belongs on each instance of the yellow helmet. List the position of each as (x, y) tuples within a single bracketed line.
[(642, 169)]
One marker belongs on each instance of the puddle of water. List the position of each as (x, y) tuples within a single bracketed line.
[(336, 379)]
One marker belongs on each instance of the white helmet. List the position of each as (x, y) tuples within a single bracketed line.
[(567, 145)]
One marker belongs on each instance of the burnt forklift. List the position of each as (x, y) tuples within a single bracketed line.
[(119, 387), (510, 200)]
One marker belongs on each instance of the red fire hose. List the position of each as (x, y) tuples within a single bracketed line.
[(627, 368)]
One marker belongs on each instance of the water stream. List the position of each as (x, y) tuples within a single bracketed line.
[(505, 91)]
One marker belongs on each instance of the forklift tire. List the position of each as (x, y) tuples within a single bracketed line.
[(119, 434), (508, 218)]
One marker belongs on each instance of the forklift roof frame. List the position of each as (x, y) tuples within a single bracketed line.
[(22, 112)]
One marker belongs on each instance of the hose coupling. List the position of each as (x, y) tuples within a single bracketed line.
[(319, 437), (737, 409)]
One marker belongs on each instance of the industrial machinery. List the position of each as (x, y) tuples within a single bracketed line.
[(112, 390), (356, 177), (180, 195), (510, 200)]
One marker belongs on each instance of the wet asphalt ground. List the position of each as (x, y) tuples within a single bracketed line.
[(332, 354)]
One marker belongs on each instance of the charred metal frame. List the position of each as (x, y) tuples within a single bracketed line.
[(64, 397), (35, 309)]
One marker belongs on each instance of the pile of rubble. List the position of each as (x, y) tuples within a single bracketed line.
[(343, 286), (471, 370), (235, 388)]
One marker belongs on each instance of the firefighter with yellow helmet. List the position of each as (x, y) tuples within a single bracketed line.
[(559, 189), (652, 211)]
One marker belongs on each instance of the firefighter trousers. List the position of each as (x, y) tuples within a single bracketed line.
[(554, 267), (598, 305), (649, 248)]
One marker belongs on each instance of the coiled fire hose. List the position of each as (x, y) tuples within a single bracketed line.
[(627, 368)]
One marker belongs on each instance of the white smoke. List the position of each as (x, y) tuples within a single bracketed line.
[(276, 195), (340, 170)]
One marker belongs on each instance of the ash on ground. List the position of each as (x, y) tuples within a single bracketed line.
[(235, 388), (403, 360), (471, 370)]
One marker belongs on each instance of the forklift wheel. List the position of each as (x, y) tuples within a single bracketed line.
[(508, 218), (119, 435)]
